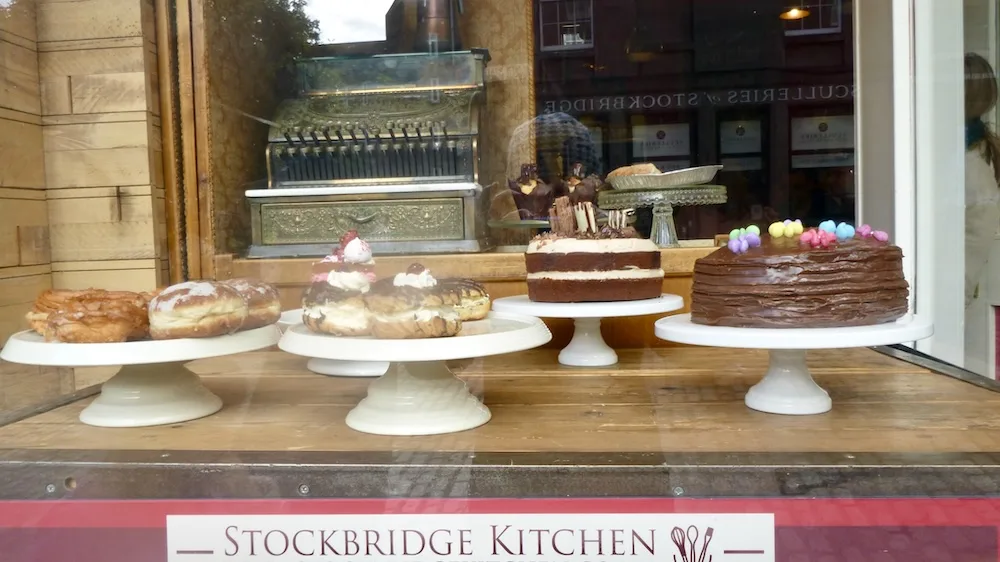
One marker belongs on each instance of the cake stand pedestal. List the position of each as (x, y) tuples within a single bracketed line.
[(587, 348), (419, 395), (662, 200), (333, 367), (787, 387), (153, 387)]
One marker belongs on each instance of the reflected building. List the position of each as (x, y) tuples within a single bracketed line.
[(766, 90)]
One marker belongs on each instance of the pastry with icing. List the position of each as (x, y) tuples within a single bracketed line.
[(413, 305), (334, 301)]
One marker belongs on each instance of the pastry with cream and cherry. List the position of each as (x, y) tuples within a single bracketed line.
[(413, 305), (197, 309), (333, 303)]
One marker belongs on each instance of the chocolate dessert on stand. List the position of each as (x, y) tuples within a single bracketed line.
[(586, 272), (828, 277), (795, 289), (533, 196), (580, 262)]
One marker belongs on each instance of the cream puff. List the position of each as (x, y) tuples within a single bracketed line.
[(413, 305), (333, 303)]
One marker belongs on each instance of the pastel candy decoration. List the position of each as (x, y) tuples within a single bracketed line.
[(880, 235), (817, 238), (865, 231), (797, 224), (828, 226), (753, 229), (844, 232), (734, 234), (752, 239), (776, 230), (734, 246)]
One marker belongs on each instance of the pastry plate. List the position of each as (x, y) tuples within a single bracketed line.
[(31, 349), (499, 333), (676, 178)]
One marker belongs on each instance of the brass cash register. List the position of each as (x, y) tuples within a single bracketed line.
[(387, 145)]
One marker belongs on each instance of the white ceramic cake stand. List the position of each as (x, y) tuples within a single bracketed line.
[(587, 348), (153, 387), (419, 395), (787, 387), (333, 367)]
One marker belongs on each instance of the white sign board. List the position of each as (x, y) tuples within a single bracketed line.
[(654, 141), (833, 132), (739, 137), (645, 537)]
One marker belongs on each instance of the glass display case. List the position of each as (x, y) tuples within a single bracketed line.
[(499, 280)]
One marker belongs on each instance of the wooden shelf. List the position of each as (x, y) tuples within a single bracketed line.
[(679, 407)]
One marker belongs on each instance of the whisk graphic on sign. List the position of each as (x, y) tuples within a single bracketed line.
[(687, 544)]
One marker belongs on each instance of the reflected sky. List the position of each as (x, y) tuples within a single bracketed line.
[(349, 21)]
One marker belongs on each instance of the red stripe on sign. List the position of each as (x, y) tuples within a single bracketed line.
[(788, 512)]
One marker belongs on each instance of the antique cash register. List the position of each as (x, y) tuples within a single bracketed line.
[(387, 145)]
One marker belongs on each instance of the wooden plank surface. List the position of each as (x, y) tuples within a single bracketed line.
[(659, 401)]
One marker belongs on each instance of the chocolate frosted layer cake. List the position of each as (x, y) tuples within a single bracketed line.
[(590, 264), (819, 280)]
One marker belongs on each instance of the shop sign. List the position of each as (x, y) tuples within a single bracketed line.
[(823, 133), (652, 141), (685, 100), (739, 137), (482, 537), (508, 530)]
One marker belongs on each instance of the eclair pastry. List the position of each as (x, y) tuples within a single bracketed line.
[(473, 300)]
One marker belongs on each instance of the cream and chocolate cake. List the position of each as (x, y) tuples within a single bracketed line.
[(832, 277), (593, 265)]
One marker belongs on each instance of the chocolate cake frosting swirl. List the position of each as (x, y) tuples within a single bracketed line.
[(783, 284)]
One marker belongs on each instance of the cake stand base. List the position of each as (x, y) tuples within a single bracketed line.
[(146, 395), (418, 398), (587, 348), (335, 368), (788, 388)]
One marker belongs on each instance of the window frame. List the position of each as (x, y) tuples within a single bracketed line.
[(815, 6), (559, 48)]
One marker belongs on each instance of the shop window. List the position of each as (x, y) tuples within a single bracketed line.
[(817, 17), (566, 25)]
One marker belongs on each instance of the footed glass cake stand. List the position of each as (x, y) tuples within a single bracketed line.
[(787, 387), (419, 395), (588, 348), (153, 387), (334, 367)]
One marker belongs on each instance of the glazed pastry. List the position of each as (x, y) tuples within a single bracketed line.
[(196, 309), (413, 305), (263, 303), (473, 300), (90, 316), (333, 303), (97, 319)]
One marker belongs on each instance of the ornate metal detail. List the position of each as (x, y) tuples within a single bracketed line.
[(677, 196), (663, 200), (383, 221), (373, 112)]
